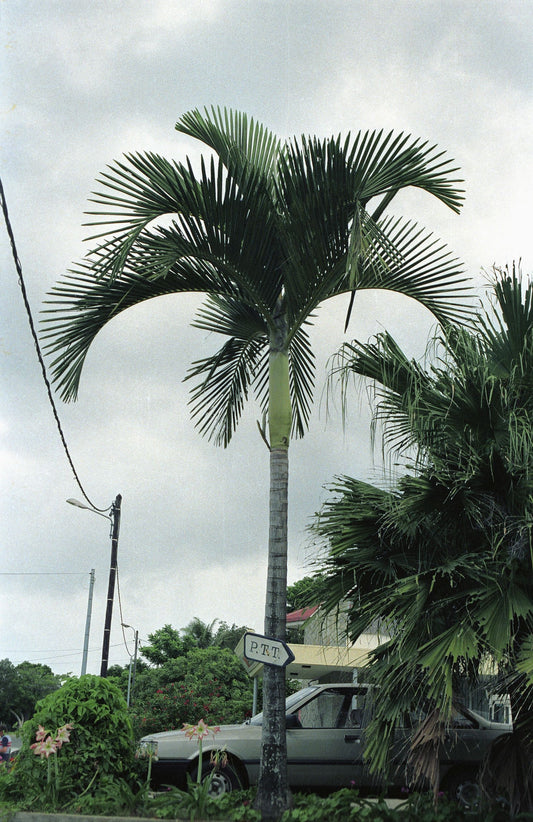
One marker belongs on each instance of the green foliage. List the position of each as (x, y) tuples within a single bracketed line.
[(21, 687), (345, 805), (209, 683), (201, 633), (228, 636), (100, 750), (304, 593), (442, 559), (166, 643), (169, 643), (112, 796), (190, 681), (237, 806), (341, 806)]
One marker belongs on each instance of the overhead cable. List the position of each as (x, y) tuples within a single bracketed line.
[(18, 267)]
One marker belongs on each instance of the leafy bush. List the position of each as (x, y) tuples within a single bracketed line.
[(100, 749), (342, 806), (209, 683)]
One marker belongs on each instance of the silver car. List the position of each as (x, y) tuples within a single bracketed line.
[(325, 743)]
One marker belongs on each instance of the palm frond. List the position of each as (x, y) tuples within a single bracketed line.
[(133, 193), (212, 217), (224, 379), (218, 398), (420, 267), (302, 380), (231, 317), (242, 143), (313, 196), (80, 306), (390, 162), (508, 334)]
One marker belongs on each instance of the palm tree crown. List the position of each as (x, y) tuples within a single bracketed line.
[(268, 231)]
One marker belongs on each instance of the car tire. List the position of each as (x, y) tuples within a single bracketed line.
[(223, 780), (464, 789)]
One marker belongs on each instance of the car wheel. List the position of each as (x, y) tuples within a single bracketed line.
[(464, 789), (223, 780)]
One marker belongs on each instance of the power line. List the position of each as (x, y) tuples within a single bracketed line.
[(43, 654), (43, 573), (22, 285), (18, 266)]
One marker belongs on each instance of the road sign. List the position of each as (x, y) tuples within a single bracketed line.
[(267, 650)]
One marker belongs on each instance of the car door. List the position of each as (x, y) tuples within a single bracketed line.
[(325, 750), (466, 742)]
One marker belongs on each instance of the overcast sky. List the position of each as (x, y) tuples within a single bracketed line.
[(82, 84)]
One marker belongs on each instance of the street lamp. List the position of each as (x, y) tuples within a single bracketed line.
[(114, 517), (133, 659)]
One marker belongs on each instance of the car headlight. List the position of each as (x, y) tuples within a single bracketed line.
[(147, 749)]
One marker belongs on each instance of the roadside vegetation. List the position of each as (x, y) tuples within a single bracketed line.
[(79, 755), (188, 674)]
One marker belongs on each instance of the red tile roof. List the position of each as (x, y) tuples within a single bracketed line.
[(299, 617)]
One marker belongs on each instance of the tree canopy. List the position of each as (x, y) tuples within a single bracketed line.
[(304, 593), (193, 674), (206, 683), (170, 643), (21, 687)]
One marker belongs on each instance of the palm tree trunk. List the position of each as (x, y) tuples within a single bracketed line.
[(273, 795)]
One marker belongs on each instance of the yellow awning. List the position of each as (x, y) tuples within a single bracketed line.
[(313, 661)]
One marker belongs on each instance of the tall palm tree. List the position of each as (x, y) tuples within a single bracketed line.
[(442, 560), (267, 230)]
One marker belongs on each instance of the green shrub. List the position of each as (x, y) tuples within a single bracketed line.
[(207, 683), (100, 749)]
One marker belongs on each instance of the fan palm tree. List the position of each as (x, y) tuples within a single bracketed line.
[(267, 230), (442, 560)]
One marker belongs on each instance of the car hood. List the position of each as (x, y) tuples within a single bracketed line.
[(178, 733), (176, 744)]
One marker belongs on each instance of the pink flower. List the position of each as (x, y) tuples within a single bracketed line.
[(63, 734), (37, 748), (199, 731), (44, 747), (219, 758), (49, 746), (190, 730), (40, 735)]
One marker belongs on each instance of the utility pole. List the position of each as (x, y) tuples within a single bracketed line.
[(87, 624), (132, 668), (115, 528)]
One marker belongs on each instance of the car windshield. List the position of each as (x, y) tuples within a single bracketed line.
[(291, 700)]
